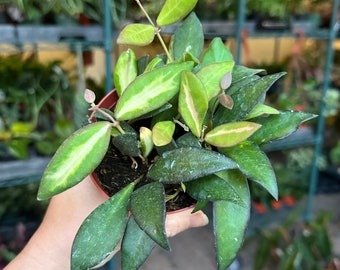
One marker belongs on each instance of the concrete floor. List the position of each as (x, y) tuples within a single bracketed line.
[(194, 249)]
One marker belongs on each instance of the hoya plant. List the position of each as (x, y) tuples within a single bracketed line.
[(189, 123)]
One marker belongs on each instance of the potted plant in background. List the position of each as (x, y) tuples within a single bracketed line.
[(187, 124)]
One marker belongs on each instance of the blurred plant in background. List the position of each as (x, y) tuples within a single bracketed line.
[(36, 106)]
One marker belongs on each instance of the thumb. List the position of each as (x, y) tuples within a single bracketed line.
[(178, 222)]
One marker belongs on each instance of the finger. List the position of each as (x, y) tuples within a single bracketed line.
[(180, 221)]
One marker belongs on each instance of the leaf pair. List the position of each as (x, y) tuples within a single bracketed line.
[(143, 34)]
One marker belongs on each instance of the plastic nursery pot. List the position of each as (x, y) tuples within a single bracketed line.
[(109, 102)]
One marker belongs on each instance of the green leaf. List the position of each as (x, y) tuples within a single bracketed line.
[(230, 134), (174, 10), (75, 159), (22, 127), (127, 143), (101, 231), (188, 139), (162, 133), (150, 91), (261, 109), (245, 99), (188, 163), (200, 205), (230, 222), (211, 75), (254, 164), (212, 188), (19, 148), (136, 34), (192, 102), (217, 52), (156, 62), (242, 72), (125, 70), (279, 126), (188, 37), (136, 246), (145, 136), (148, 209)]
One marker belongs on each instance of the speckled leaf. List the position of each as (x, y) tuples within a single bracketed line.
[(278, 126), (242, 72), (188, 163), (148, 209), (150, 91), (75, 159), (211, 76), (188, 37), (188, 139), (254, 164), (125, 70), (136, 246), (192, 102), (212, 188), (230, 134), (162, 133), (136, 34), (230, 222), (245, 99), (127, 143), (174, 10), (101, 231), (261, 109)]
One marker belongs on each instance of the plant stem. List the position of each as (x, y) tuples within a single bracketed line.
[(157, 30), (115, 123)]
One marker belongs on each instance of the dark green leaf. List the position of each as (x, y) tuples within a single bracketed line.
[(254, 164), (212, 188), (188, 163), (148, 209), (279, 126), (66, 168), (200, 205), (188, 37), (242, 72), (127, 143), (136, 246), (230, 222), (101, 231), (245, 99), (188, 140)]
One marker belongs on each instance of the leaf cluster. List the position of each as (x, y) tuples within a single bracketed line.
[(195, 119)]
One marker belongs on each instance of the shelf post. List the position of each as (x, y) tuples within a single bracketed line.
[(239, 28), (334, 27), (108, 45)]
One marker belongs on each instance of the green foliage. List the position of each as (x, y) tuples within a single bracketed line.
[(35, 100), (295, 245), (182, 118)]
